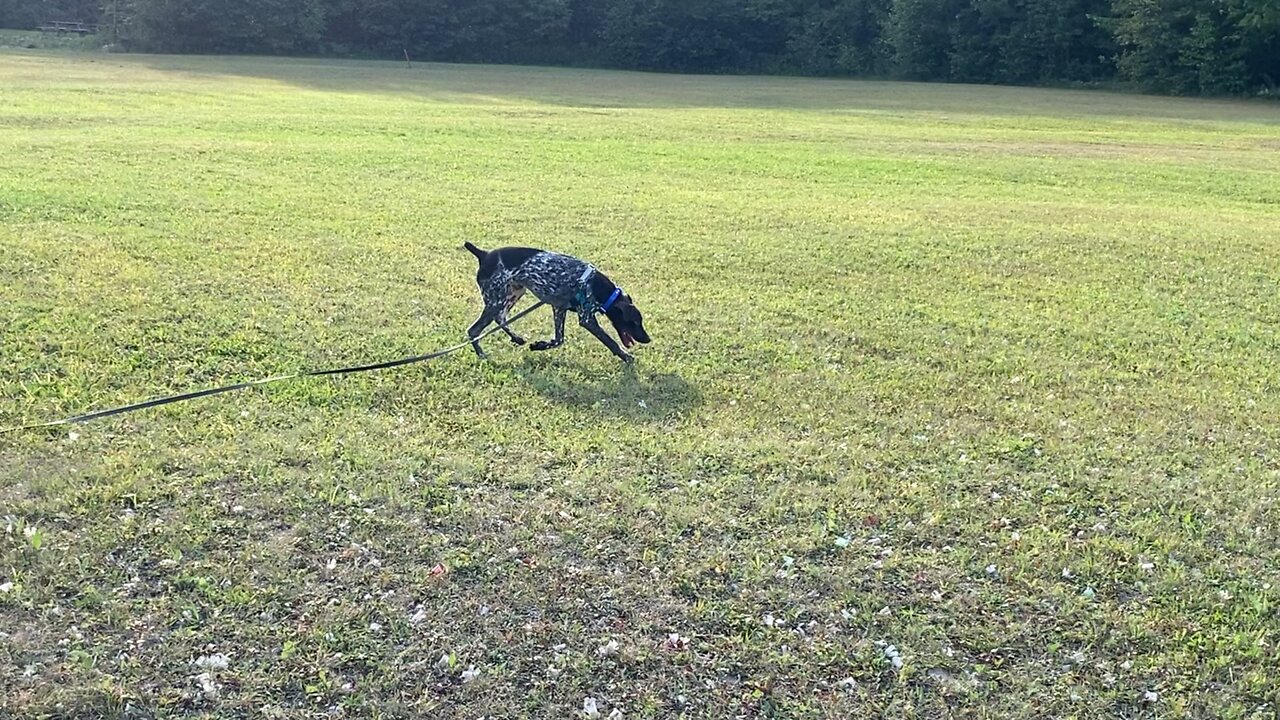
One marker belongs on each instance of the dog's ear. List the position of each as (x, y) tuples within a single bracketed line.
[(632, 313)]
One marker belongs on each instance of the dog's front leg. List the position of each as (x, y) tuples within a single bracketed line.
[(589, 322), (482, 322), (558, 320)]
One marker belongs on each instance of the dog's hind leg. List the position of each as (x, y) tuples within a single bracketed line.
[(509, 302), (558, 319)]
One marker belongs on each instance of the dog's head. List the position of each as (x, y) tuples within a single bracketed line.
[(627, 321)]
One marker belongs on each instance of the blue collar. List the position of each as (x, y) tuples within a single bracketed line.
[(617, 293)]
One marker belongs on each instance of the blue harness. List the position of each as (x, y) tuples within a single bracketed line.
[(583, 296)]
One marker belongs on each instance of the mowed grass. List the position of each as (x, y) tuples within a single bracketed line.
[(962, 401)]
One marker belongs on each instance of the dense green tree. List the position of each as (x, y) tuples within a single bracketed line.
[(920, 35), (1260, 35), (461, 30), (688, 35), (1030, 41), (217, 26), (1067, 40), (831, 37), (1196, 46), (1176, 46)]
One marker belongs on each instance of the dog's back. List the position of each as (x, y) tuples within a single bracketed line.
[(555, 278), (509, 258)]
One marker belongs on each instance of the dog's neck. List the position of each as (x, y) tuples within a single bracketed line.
[(601, 287)]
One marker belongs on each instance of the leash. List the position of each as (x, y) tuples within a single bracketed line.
[(264, 381)]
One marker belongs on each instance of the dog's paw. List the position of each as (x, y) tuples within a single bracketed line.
[(541, 345), (518, 340), (627, 358)]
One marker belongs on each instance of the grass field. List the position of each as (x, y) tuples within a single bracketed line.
[(962, 402)]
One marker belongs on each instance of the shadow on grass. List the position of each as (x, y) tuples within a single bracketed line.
[(587, 89), (627, 392)]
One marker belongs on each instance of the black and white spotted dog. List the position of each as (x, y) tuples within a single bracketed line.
[(563, 282)]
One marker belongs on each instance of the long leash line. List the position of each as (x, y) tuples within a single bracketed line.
[(264, 381)]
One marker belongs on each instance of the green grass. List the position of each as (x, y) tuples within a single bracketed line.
[(1017, 347)]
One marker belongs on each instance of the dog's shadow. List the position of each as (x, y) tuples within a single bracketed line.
[(626, 392)]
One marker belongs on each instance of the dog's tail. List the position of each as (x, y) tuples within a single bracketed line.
[(474, 250)]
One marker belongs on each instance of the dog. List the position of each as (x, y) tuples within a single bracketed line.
[(561, 281)]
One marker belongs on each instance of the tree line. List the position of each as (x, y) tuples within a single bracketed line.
[(1169, 46)]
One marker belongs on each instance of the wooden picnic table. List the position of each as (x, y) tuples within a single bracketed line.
[(66, 26)]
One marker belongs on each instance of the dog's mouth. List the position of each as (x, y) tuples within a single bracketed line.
[(627, 340)]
